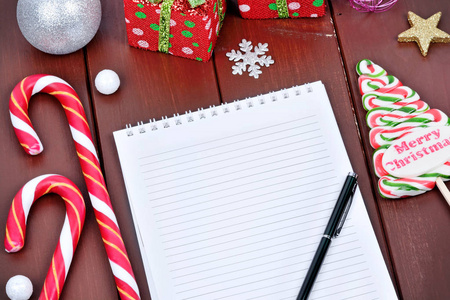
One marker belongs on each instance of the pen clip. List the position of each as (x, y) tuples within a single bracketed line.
[(344, 215)]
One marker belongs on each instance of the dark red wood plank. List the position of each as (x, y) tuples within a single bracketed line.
[(304, 50), (416, 227), (152, 85), (90, 276)]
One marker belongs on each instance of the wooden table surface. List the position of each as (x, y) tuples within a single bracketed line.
[(413, 233)]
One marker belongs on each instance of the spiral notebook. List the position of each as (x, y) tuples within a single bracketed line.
[(230, 202)]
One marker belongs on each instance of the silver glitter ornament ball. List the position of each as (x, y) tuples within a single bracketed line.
[(59, 26)]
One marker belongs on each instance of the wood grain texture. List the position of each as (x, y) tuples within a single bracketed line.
[(304, 50), (153, 85), (416, 227), (89, 276)]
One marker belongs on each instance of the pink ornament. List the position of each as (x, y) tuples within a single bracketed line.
[(372, 5)]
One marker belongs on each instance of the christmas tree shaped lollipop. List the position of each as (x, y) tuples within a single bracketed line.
[(411, 141)]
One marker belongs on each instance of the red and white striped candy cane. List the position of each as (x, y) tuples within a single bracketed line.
[(106, 219), (70, 233)]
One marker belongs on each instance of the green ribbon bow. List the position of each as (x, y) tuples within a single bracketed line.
[(164, 21)]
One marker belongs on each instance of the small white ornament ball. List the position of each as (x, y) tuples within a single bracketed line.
[(59, 26), (107, 82), (19, 287)]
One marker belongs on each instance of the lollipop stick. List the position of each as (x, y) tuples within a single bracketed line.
[(444, 190)]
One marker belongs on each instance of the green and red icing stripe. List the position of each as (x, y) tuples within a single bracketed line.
[(391, 187), (374, 70)]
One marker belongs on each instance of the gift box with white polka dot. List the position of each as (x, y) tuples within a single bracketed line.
[(190, 32), (268, 9)]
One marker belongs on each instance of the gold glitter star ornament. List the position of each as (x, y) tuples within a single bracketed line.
[(424, 32)]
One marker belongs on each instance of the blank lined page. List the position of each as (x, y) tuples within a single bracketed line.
[(230, 202)]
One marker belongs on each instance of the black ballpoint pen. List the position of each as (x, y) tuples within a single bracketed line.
[(332, 230)]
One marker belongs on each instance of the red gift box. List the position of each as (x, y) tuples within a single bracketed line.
[(190, 32), (268, 9)]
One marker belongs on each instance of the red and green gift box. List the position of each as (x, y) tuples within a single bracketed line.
[(268, 9), (186, 28)]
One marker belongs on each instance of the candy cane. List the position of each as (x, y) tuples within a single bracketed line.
[(106, 219), (70, 233)]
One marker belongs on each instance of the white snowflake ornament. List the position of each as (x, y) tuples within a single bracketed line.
[(252, 59)]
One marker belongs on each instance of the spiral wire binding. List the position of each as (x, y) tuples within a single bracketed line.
[(225, 108), (129, 129), (141, 127), (189, 116), (153, 125), (214, 111)]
